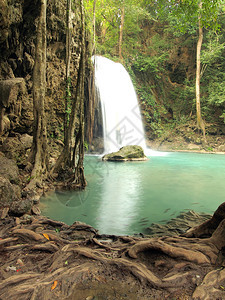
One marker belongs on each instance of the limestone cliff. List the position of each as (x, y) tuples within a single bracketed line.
[(17, 47), (18, 28)]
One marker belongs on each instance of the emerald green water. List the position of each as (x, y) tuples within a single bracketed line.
[(125, 198)]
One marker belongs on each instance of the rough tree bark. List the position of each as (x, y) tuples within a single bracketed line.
[(70, 161), (68, 59), (207, 228), (94, 35), (79, 178), (90, 116), (39, 149), (91, 106)]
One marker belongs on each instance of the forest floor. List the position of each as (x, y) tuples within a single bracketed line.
[(45, 259)]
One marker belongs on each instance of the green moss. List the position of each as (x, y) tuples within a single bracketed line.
[(126, 153)]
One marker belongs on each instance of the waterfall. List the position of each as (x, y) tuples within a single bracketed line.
[(122, 123)]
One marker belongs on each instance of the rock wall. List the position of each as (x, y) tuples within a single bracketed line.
[(18, 26), (17, 47)]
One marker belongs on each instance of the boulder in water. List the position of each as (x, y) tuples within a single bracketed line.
[(126, 153)]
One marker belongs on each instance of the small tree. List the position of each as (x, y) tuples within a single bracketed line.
[(68, 59)]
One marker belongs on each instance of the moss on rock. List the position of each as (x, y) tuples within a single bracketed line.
[(126, 153)]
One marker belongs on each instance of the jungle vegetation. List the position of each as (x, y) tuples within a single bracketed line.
[(174, 52)]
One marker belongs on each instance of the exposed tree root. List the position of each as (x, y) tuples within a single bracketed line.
[(207, 228), (212, 286), (55, 261), (28, 234), (7, 240), (48, 247), (178, 251)]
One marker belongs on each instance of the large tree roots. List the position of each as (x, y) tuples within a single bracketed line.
[(45, 259)]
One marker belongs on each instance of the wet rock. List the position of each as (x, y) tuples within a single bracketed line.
[(36, 210), (9, 170), (16, 147), (221, 148), (9, 90), (28, 62), (21, 207), (97, 146), (126, 153), (12, 147), (26, 141), (5, 125), (8, 193), (17, 191)]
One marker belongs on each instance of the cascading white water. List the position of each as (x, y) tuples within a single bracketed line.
[(122, 124)]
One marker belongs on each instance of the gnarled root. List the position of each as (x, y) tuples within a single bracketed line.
[(177, 251), (208, 227)]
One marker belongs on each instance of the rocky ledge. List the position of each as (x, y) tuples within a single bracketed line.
[(126, 153)]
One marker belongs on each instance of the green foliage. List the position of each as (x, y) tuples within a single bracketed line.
[(151, 110), (159, 49), (213, 48), (210, 149), (213, 81), (150, 64), (86, 145), (188, 12)]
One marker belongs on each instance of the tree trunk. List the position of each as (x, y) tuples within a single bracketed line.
[(91, 106), (121, 30), (70, 162), (200, 122), (39, 148), (68, 59), (90, 114), (79, 178), (94, 9)]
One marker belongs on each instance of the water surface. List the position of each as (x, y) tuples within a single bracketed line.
[(125, 198)]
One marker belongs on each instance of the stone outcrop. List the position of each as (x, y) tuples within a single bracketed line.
[(9, 182), (126, 153), (7, 193), (9, 170), (18, 27), (17, 147), (18, 33), (21, 207)]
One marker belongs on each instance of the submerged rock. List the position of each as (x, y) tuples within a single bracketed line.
[(126, 153)]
